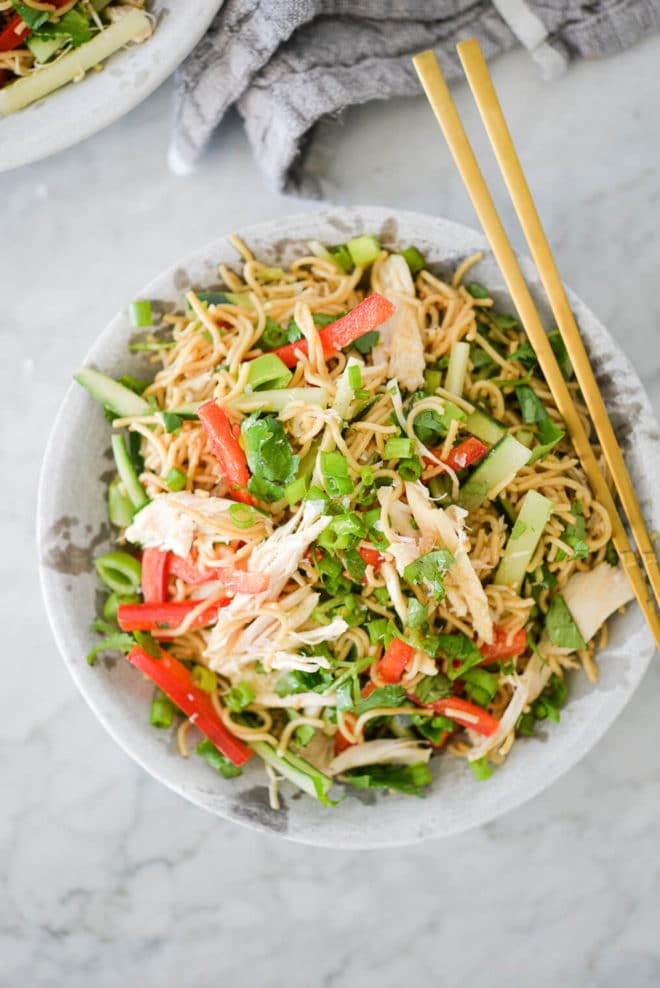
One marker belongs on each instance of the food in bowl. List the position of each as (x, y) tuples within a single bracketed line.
[(44, 46), (351, 533)]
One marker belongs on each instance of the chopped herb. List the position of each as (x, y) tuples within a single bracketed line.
[(175, 479), (430, 570), (204, 678), (433, 688), (334, 468), (461, 653), (562, 629), (409, 779), (162, 710), (382, 696), (365, 344), (171, 422), (140, 314), (476, 290), (611, 555), (217, 760), (575, 534), (269, 455), (239, 697)]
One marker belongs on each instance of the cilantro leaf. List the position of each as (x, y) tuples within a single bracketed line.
[(430, 569), (409, 779), (432, 688), (575, 534), (383, 696), (269, 455), (562, 629), (458, 648)]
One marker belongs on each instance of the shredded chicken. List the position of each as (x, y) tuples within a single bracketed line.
[(401, 345), (174, 522), (259, 627), (463, 586), (388, 751), (526, 689), (592, 595)]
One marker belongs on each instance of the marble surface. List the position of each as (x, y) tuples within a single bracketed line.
[(107, 878)]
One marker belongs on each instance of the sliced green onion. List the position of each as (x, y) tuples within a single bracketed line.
[(242, 515), (204, 678), (171, 422), (363, 250), (411, 468), (127, 473), (140, 313), (175, 479), (481, 769), (355, 376), (267, 370), (114, 601), (525, 436), (295, 491), (432, 380), (120, 507), (119, 571), (415, 261), (398, 449), (239, 697), (162, 710), (334, 468)]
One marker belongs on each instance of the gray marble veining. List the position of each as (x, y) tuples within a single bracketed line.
[(109, 879)]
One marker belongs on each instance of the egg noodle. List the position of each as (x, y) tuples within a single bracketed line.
[(366, 621)]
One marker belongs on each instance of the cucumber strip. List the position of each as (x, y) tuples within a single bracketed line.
[(457, 369), (113, 395), (129, 477), (496, 470), (532, 519), (43, 49), (297, 770), (276, 400), (32, 87), (484, 426)]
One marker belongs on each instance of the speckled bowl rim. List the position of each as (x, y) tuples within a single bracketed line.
[(77, 111), (390, 820)]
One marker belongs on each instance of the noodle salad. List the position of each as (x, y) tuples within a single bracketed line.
[(350, 531), (45, 45)]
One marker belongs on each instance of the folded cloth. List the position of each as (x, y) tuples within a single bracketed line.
[(291, 66)]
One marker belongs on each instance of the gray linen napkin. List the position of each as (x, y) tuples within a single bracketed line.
[(291, 66)]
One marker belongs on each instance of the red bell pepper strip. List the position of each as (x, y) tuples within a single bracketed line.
[(365, 317), (226, 449), (233, 578), (501, 648), (341, 741), (467, 714), (465, 454), (15, 32), (175, 680), (163, 617), (154, 576), (371, 556), (397, 656)]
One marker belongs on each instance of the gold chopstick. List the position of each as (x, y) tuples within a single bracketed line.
[(445, 111), (492, 116)]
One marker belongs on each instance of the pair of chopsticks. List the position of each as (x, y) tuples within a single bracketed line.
[(490, 110)]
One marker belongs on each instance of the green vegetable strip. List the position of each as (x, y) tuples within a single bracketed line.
[(120, 507), (458, 362), (532, 519), (129, 477), (297, 770)]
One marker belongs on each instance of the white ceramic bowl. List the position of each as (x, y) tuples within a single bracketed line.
[(78, 110), (72, 528)]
